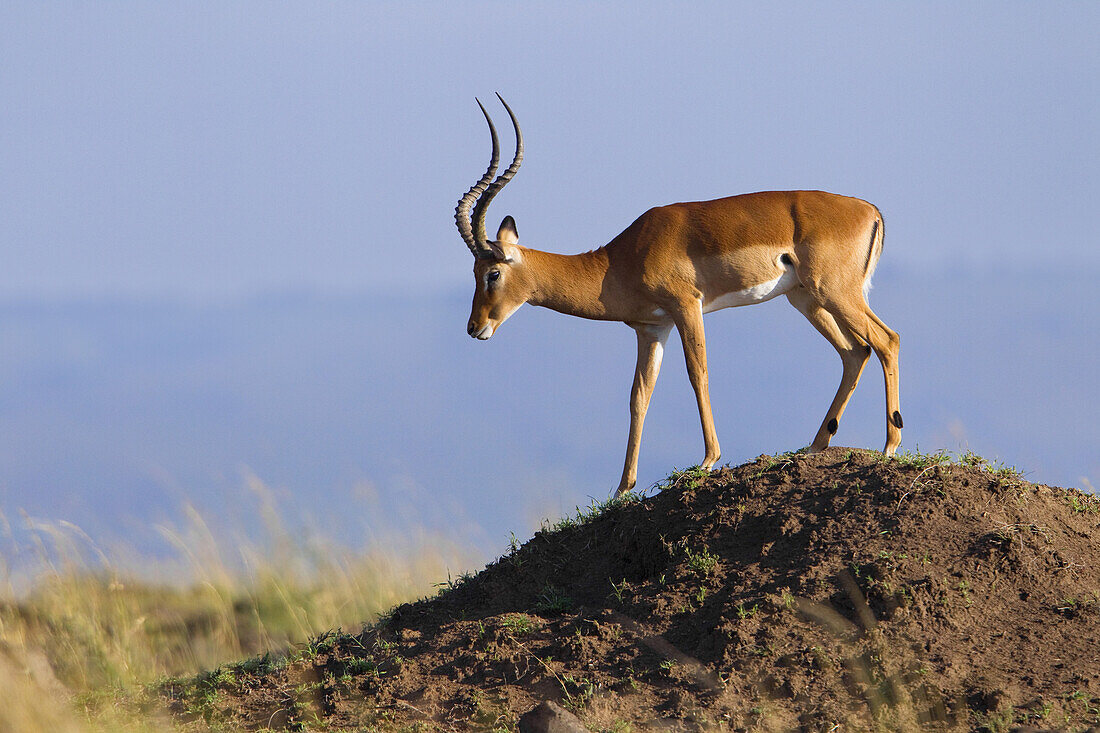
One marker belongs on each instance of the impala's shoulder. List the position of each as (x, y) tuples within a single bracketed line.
[(663, 211), (658, 217)]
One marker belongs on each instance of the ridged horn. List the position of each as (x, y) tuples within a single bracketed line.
[(462, 211), (482, 205)]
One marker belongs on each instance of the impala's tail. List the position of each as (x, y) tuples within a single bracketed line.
[(874, 251)]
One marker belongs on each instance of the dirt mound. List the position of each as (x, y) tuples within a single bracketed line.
[(793, 592)]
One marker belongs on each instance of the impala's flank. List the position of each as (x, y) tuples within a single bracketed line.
[(677, 262)]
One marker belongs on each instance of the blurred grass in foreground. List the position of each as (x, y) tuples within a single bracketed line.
[(86, 635)]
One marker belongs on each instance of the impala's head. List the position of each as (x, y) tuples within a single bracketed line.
[(500, 279), (501, 283)]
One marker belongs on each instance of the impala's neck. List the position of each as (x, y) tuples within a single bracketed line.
[(572, 284)]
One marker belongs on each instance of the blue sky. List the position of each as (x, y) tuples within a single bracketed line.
[(228, 243)]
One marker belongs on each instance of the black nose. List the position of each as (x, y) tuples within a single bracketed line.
[(470, 328)]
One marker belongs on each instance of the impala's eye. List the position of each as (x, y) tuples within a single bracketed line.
[(494, 275)]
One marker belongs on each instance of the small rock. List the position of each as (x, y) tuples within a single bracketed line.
[(549, 717)]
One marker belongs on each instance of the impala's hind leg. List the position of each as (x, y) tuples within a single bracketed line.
[(888, 355), (853, 355), (854, 315)]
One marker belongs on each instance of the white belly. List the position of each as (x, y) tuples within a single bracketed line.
[(755, 294)]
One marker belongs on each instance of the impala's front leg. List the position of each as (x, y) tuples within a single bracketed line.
[(689, 321), (651, 348)]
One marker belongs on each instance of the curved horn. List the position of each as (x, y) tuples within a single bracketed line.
[(462, 211), (483, 203)]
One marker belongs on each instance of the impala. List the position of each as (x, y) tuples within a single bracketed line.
[(678, 262)]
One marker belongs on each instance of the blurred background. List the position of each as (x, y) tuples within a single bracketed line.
[(229, 259)]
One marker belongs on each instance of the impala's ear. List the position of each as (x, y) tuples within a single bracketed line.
[(507, 233)]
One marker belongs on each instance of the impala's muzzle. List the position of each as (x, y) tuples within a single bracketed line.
[(480, 332)]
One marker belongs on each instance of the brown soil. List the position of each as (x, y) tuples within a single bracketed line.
[(837, 591)]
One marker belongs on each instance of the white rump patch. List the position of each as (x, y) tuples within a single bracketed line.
[(871, 265), (755, 294)]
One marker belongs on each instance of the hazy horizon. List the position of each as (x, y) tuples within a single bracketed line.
[(128, 412)]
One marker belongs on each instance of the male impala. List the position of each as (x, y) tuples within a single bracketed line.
[(677, 262)]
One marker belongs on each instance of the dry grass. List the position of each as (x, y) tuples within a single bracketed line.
[(84, 637)]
